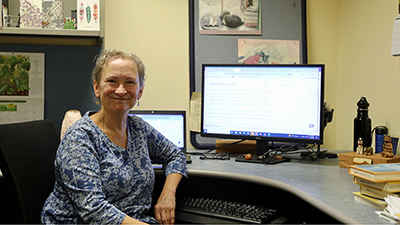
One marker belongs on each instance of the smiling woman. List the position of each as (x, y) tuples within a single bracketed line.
[(104, 161)]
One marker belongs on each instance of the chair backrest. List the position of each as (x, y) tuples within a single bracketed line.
[(27, 153)]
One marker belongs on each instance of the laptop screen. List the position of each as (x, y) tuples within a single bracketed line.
[(172, 124)]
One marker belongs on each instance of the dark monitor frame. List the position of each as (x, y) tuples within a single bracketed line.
[(263, 141)]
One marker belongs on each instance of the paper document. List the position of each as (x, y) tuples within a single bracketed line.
[(195, 112), (392, 211), (396, 37)]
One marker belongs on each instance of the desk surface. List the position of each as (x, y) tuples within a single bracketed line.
[(322, 182)]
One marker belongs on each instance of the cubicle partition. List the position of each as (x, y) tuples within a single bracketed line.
[(279, 20), (68, 82)]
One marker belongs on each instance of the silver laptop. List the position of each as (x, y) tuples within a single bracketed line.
[(172, 124)]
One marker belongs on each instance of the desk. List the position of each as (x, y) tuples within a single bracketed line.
[(321, 183)]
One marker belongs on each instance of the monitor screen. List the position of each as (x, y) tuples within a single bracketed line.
[(170, 123), (266, 102)]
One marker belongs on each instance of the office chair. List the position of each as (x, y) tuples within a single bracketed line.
[(27, 153)]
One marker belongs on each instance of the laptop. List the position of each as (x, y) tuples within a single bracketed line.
[(172, 124)]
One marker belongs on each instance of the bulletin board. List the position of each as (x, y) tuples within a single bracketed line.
[(279, 20)]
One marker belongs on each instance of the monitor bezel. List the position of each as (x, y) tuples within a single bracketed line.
[(266, 138)]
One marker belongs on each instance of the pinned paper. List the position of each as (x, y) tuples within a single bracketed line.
[(195, 112), (396, 37)]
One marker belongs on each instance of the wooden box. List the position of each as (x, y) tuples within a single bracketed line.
[(352, 158), (242, 147)]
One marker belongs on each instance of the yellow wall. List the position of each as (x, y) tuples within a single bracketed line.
[(157, 31), (322, 35), (351, 37)]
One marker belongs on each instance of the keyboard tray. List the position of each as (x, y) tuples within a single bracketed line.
[(227, 211)]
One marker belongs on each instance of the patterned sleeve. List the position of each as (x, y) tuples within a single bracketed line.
[(80, 173), (163, 151)]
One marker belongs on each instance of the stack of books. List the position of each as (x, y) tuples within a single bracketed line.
[(376, 181)]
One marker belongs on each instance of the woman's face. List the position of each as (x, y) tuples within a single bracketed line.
[(119, 86)]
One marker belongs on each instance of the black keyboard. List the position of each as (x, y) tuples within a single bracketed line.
[(226, 210)]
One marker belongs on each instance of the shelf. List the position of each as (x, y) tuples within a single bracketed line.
[(54, 36), (49, 32)]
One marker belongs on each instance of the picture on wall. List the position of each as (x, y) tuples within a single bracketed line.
[(266, 51), (21, 86), (232, 17)]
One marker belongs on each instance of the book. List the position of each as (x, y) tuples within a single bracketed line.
[(375, 193), (377, 203), (390, 187), (377, 172)]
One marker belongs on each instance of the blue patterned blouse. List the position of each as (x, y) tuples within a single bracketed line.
[(100, 182)]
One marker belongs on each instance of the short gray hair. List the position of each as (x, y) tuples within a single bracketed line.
[(107, 55)]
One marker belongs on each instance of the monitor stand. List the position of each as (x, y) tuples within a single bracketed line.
[(321, 154), (262, 147)]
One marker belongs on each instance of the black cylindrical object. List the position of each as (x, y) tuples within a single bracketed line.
[(380, 131), (362, 124)]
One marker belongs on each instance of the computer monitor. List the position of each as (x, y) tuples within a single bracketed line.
[(263, 102), (171, 123)]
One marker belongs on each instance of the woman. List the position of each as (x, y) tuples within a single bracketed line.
[(103, 164)]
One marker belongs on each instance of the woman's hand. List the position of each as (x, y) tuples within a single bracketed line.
[(165, 207)]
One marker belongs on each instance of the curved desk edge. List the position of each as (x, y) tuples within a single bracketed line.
[(275, 184)]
